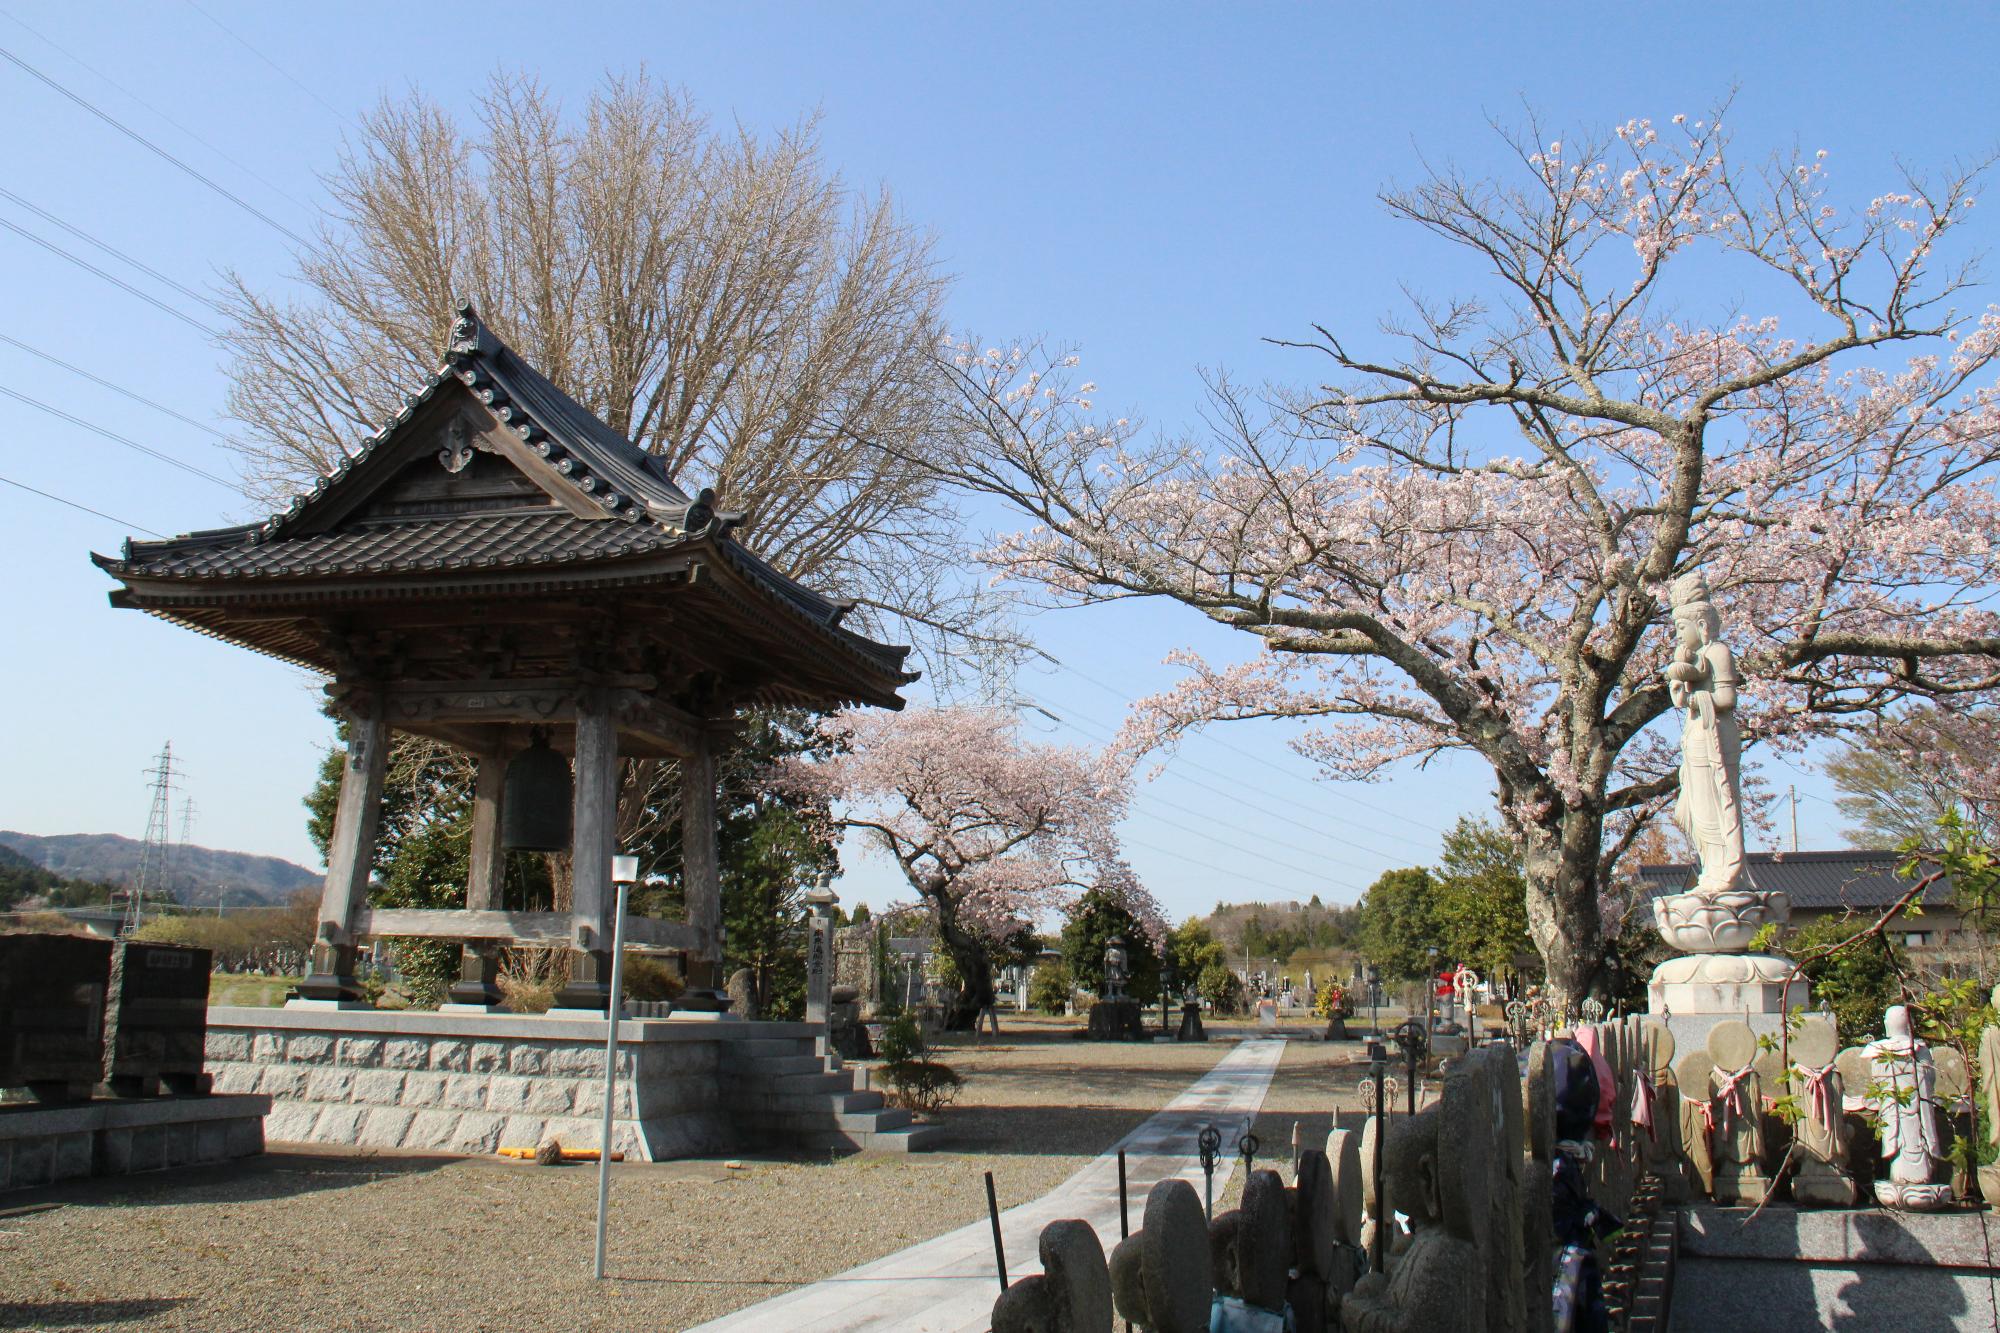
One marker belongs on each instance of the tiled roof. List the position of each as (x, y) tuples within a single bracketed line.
[(1818, 881), (536, 537), (644, 511)]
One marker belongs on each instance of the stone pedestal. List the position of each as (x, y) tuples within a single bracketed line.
[(1715, 979), (1117, 1020)]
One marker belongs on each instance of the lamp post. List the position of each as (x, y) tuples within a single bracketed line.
[(624, 870)]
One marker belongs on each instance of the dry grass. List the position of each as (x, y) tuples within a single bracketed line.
[(361, 1241)]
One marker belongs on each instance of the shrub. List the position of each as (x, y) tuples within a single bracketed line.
[(923, 1085), (902, 1040), (1050, 987), (427, 969), (1857, 983), (530, 978), (647, 978), (1222, 989)]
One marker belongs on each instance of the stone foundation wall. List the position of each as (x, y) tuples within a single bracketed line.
[(42, 1145), (476, 1083)]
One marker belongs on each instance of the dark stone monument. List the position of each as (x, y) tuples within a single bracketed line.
[(1117, 1020), (156, 1020), (1191, 1028), (844, 1027), (52, 991)]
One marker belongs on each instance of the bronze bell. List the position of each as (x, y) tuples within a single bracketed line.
[(535, 808)]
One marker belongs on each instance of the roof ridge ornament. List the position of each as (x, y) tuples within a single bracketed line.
[(469, 334)]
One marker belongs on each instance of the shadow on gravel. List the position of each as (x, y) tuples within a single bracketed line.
[(282, 1174), (81, 1314)]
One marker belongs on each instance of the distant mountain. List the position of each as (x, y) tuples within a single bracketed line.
[(200, 874)]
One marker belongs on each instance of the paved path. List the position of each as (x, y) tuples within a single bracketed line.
[(947, 1285)]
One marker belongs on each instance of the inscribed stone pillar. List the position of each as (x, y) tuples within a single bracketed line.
[(350, 854), (699, 871), (594, 840), (479, 967), (819, 956)]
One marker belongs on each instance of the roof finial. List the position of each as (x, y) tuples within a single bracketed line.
[(466, 331)]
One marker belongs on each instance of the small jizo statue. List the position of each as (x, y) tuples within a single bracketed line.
[(1904, 1098), (1115, 963), (1733, 1116), (1823, 1176)]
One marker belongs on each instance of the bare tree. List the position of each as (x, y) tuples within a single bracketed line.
[(721, 298)]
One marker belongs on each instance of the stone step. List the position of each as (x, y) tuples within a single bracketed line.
[(821, 1105), (774, 1066), (915, 1138), (755, 1047), (874, 1122), (815, 1081)]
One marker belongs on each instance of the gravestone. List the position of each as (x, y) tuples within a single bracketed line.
[(1072, 1293), (1160, 1273), (1264, 1241), (742, 990), (52, 992), (156, 1019)]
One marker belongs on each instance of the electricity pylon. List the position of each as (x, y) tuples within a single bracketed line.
[(156, 852)]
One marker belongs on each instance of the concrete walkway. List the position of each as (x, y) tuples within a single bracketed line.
[(947, 1285)]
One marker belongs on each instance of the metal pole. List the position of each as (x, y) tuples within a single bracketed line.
[(1124, 1225), (612, 1013), (993, 1213)]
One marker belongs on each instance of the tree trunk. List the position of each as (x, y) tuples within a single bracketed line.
[(1560, 858), (968, 953)]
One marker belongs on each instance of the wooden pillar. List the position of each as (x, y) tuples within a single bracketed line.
[(479, 967), (700, 871), (349, 855), (594, 840)]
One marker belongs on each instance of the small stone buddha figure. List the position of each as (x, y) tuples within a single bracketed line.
[(1906, 1112)]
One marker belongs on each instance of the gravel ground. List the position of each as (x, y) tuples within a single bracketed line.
[(342, 1240)]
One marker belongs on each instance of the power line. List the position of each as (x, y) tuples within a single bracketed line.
[(79, 61), (98, 513), (144, 142), (95, 378), (1247, 754), (113, 279), (1102, 730), (198, 297), (296, 81), (116, 438)]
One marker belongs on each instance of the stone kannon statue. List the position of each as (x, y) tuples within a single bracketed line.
[(1701, 681), (1115, 964), (1714, 921), (1904, 1096)]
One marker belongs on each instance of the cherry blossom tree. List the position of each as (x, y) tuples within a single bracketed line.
[(1463, 541), (991, 832)]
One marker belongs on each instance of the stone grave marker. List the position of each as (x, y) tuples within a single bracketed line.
[(52, 991), (1160, 1273), (156, 1019), (1316, 1226), (1264, 1240), (1072, 1293)]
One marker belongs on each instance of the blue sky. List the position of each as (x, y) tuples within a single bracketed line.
[(1163, 185)]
